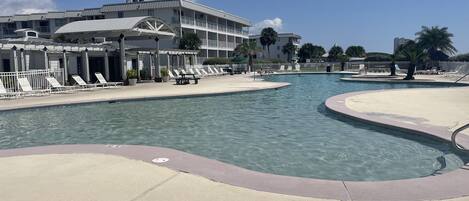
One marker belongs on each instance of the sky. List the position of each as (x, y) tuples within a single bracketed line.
[(369, 23)]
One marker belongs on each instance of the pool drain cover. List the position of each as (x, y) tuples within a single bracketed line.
[(160, 160)]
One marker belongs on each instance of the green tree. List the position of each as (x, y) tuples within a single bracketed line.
[(355, 51), (436, 42), (310, 51), (190, 41), (335, 53), (289, 49), (415, 54), (268, 37), (248, 49)]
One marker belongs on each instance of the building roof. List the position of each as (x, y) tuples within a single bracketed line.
[(132, 26), (280, 35)]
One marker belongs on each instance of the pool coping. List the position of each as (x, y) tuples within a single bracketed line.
[(400, 81), (444, 186)]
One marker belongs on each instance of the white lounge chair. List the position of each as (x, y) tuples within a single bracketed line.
[(29, 91), (183, 71), (290, 68), (297, 67), (171, 76), (104, 82), (204, 72), (56, 87), (282, 68), (198, 72), (5, 94), (83, 84), (177, 73), (223, 72)]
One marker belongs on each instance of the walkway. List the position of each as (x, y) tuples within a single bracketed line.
[(212, 85)]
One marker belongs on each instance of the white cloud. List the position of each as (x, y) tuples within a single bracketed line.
[(275, 23), (11, 7)]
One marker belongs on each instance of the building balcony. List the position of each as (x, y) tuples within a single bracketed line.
[(188, 20), (212, 43), (201, 23)]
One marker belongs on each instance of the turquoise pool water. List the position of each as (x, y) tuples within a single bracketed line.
[(285, 132)]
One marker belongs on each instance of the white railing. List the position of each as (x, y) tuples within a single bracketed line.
[(37, 79), (212, 43)]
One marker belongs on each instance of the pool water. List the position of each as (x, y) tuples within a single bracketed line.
[(284, 132)]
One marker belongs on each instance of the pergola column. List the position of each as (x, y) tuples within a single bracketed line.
[(169, 62), (177, 61), (65, 62), (150, 64), (14, 59), (157, 58), (22, 62), (1, 62), (86, 65), (138, 67), (46, 59), (106, 65), (122, 57), (196, 61)]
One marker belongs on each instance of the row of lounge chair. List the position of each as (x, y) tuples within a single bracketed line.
[(289, 68), (198, 72), (55, 87)]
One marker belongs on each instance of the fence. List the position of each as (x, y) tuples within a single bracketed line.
[(37, 79), (455, 67)]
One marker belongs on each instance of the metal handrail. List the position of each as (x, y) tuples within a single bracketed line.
[(462, 78), (453, 138)]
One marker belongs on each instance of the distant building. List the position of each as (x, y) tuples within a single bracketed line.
[(276, 49), (400, 41)]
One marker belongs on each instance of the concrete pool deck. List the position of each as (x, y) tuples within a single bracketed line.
[(120, 172), (148, 91)]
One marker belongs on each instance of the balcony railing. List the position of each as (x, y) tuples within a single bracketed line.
[(204, 42), (188, 20), (212, 25), (201, 23)]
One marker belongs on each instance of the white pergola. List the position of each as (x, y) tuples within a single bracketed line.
[(118, 29)]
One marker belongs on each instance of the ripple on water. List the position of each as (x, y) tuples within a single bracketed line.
[(286, 132)]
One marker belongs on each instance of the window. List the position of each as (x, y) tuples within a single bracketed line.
[(278, 56), (60, 22), (120, 14), (32, 34), (43, 23), (278, 47), (26, 24)]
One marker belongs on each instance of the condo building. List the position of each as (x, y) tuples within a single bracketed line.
[(276, 49), (117, 37)]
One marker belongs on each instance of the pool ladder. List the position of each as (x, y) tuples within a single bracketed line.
[(453, 138)]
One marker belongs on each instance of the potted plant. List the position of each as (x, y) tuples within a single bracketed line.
[(132, 76), (164, 75)]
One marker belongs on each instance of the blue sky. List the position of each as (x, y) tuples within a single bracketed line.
[(370, 23)]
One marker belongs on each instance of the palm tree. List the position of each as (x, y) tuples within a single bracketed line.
[(248, 49), (355, 51), (436, 42), (310, 51), (414, 53), (335, 52), (289, 49), (190, 41), (268, 37)]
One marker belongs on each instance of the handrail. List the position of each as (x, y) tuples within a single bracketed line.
[(462, 78), (453, 138)]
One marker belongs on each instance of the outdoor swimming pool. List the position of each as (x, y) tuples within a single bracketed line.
[(284, 132)]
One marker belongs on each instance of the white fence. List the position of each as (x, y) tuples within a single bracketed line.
[(37, 79), (455, 67)]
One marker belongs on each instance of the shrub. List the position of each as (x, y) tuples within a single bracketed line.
[(164, 72), (132, 74), (217, 61)]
